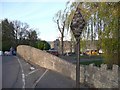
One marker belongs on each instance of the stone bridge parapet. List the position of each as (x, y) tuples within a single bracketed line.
[(98, 77)]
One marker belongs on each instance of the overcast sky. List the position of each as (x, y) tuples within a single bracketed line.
[(37, 14)]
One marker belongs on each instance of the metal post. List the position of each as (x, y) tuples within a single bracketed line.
[(78, 64), (77, 25)]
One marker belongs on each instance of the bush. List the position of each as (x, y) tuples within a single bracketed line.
[(110, 48), (43, 45)]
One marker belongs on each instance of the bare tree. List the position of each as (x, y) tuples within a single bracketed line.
[(60, 19), (21, 31)]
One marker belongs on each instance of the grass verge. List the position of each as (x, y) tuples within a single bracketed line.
[(97, 63)]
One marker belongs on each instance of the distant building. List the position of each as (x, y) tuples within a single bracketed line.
[(91, 45), (69, 47), (57, 44)]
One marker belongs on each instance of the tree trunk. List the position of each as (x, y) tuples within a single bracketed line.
[(62, 43), (71, 46)]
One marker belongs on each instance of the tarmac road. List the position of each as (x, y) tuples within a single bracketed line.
[(16, 73)]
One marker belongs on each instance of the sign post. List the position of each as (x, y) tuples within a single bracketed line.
[(77, 26)]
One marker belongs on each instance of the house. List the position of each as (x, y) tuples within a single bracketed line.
[(71, 46), (56, 45)]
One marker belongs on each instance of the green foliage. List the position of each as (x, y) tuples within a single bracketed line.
[(110, 39), (96, 63), (110, 49), (32, 37), (43, 45), (102, 23), (83, 45), (8, 38), (16, 33)]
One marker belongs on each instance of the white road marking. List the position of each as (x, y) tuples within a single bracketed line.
[(31, 72), (40, 78), (32, 68), (23, 75)]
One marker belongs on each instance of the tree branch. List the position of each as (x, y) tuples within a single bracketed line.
[(59, 26)]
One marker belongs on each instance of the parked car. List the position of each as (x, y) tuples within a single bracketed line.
[(95, 52), (14, 52), (7, 53), (100, 51), (91, 52), (1, 53), (54, 52), (88, 52)]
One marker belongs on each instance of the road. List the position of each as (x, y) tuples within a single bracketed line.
[(16, 73)]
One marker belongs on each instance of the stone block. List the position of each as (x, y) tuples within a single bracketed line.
[(82, 74), (103, 67)]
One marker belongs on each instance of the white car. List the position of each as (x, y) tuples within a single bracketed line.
[(1, 53), (7, 53), (100, 51)]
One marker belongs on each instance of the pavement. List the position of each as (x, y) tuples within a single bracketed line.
[(16, 73)]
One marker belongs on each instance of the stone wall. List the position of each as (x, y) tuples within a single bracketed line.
[(46, 60), (98, 77)]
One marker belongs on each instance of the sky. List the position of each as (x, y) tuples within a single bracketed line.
[(38, 15)]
